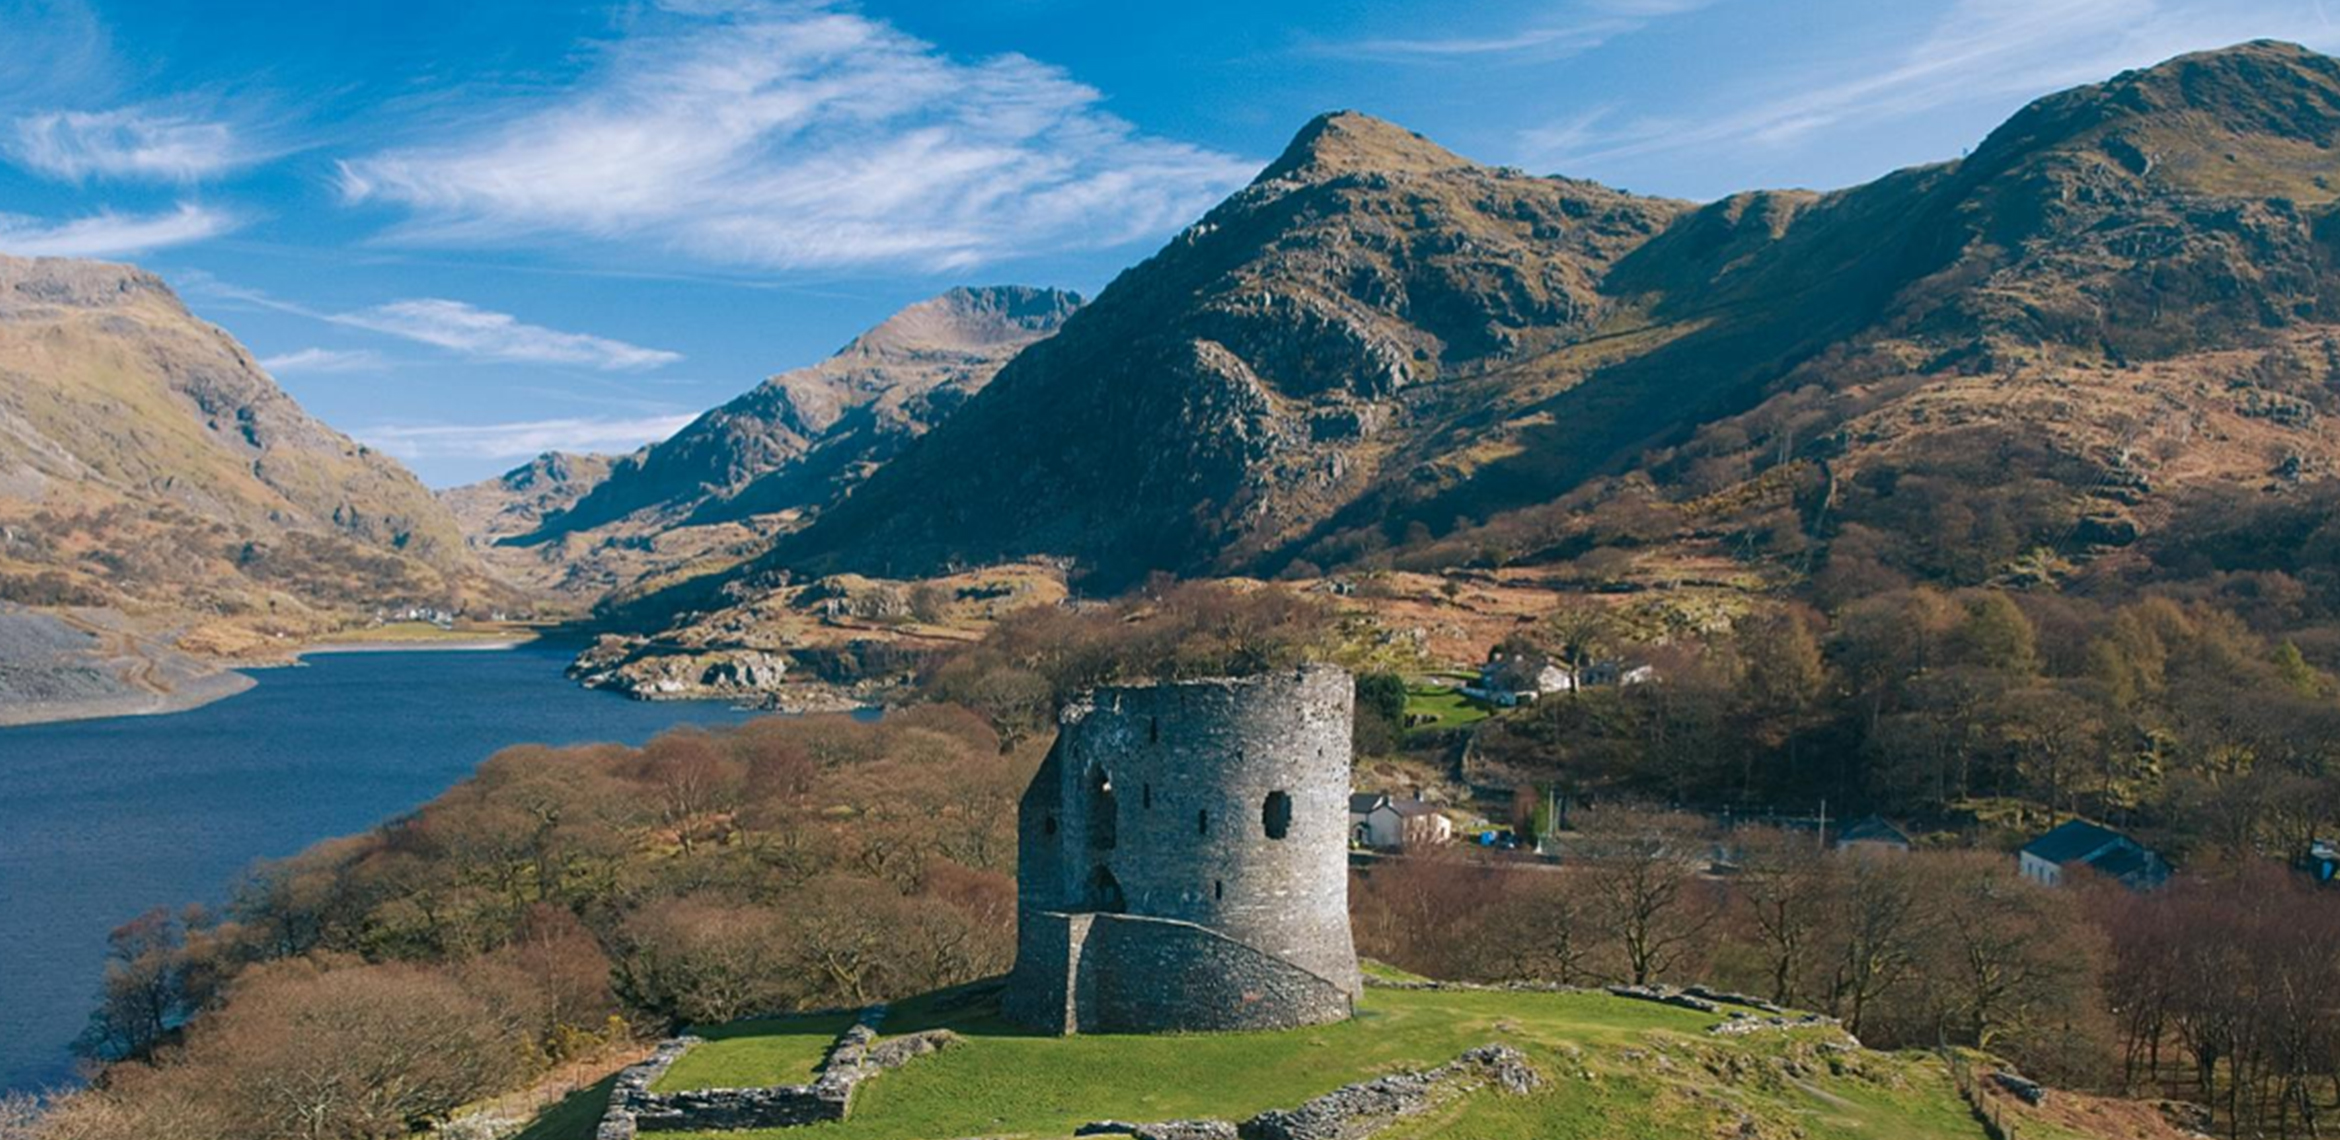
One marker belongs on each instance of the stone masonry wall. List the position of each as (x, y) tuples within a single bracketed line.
[(857, 1056), (1222, 804), (1154, 975)]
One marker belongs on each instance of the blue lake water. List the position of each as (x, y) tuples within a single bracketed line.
[(101, 820)]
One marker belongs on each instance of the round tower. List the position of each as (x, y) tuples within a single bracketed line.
[(1184, 859)]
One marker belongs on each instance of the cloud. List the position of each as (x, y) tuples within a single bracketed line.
[(520, 440), (108, 234), (1979, 51), (489, 335), (58, 50), (793, 135), (459, 327), (129, 143), (1596, 23), (323, 360)]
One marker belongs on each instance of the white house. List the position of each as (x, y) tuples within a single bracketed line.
[(1386, 824)]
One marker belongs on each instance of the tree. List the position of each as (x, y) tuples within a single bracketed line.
[(153, 983), (1997, 635), (695, 781), (1786, 881), (1876, 927), (1644, 890), (2015, 959), (1783, 678), (1380, 721), (357, 1053), (1579, 630)]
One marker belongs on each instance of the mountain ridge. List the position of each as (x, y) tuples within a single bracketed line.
[(1343, 350), (162, 496)]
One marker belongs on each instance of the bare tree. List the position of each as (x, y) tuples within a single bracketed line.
[(1644, 888)]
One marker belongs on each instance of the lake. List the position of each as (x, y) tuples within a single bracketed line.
[(102, 819)]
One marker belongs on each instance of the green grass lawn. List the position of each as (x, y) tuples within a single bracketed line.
[(1444, 707), (1614, 1068), (755, 1054)]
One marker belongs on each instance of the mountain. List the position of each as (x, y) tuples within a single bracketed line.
[(2064, 355), (723, 484), (148, 466), (518, 501), (798, 436), (1221, 398)]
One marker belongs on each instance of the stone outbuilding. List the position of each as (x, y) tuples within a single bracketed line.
[(1184, 860)]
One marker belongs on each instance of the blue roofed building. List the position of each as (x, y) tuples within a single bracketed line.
[(2050, 858)]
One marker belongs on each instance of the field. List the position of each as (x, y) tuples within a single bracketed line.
[(1438, 706), (751, 1054), (1612, 1068)]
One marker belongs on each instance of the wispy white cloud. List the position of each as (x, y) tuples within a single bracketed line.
[(324, 360), (519, 440), (1978, 51), (141, 143), (58, 50), (460, 327), (489, 335), (1585, 26), (109, 234), (798, 135)]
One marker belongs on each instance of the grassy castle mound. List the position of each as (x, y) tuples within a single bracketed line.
[(1609, 1067)]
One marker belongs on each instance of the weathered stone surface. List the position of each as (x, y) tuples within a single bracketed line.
[(2024, 1089), (1163, 1130), (1359, 1110), (1666, 995), (1727, 997), (1184, 860)]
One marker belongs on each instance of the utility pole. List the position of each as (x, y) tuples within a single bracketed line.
[(1821, 839)]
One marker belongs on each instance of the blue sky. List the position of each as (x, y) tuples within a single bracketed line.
[(467, 232)]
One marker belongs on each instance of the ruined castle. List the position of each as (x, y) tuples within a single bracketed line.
[(1184, 860)]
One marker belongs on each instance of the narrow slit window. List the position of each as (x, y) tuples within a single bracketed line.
[(1202, 822), (1218, 888)]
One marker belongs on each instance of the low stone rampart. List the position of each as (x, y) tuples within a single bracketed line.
[(857, 1056), (1352, 1112)]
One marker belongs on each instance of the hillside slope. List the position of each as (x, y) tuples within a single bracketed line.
[(1603, 1068), (1259, 372), (2064, 355), (148, 465), (720, 487)]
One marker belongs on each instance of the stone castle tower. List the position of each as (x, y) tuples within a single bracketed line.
[(1184, 860)]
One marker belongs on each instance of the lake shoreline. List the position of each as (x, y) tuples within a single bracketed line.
[(106, 818), (191, 683)]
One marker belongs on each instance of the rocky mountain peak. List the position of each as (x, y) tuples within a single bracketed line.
[(2253, 120), (970, 319), (1348, 142), (75, 283)]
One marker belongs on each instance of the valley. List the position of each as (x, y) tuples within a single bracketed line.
[(1913, 603)]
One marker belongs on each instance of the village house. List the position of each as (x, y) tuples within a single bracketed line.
[(1873, 836), (2094, 847), (1511, 679), (1385, 824)]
